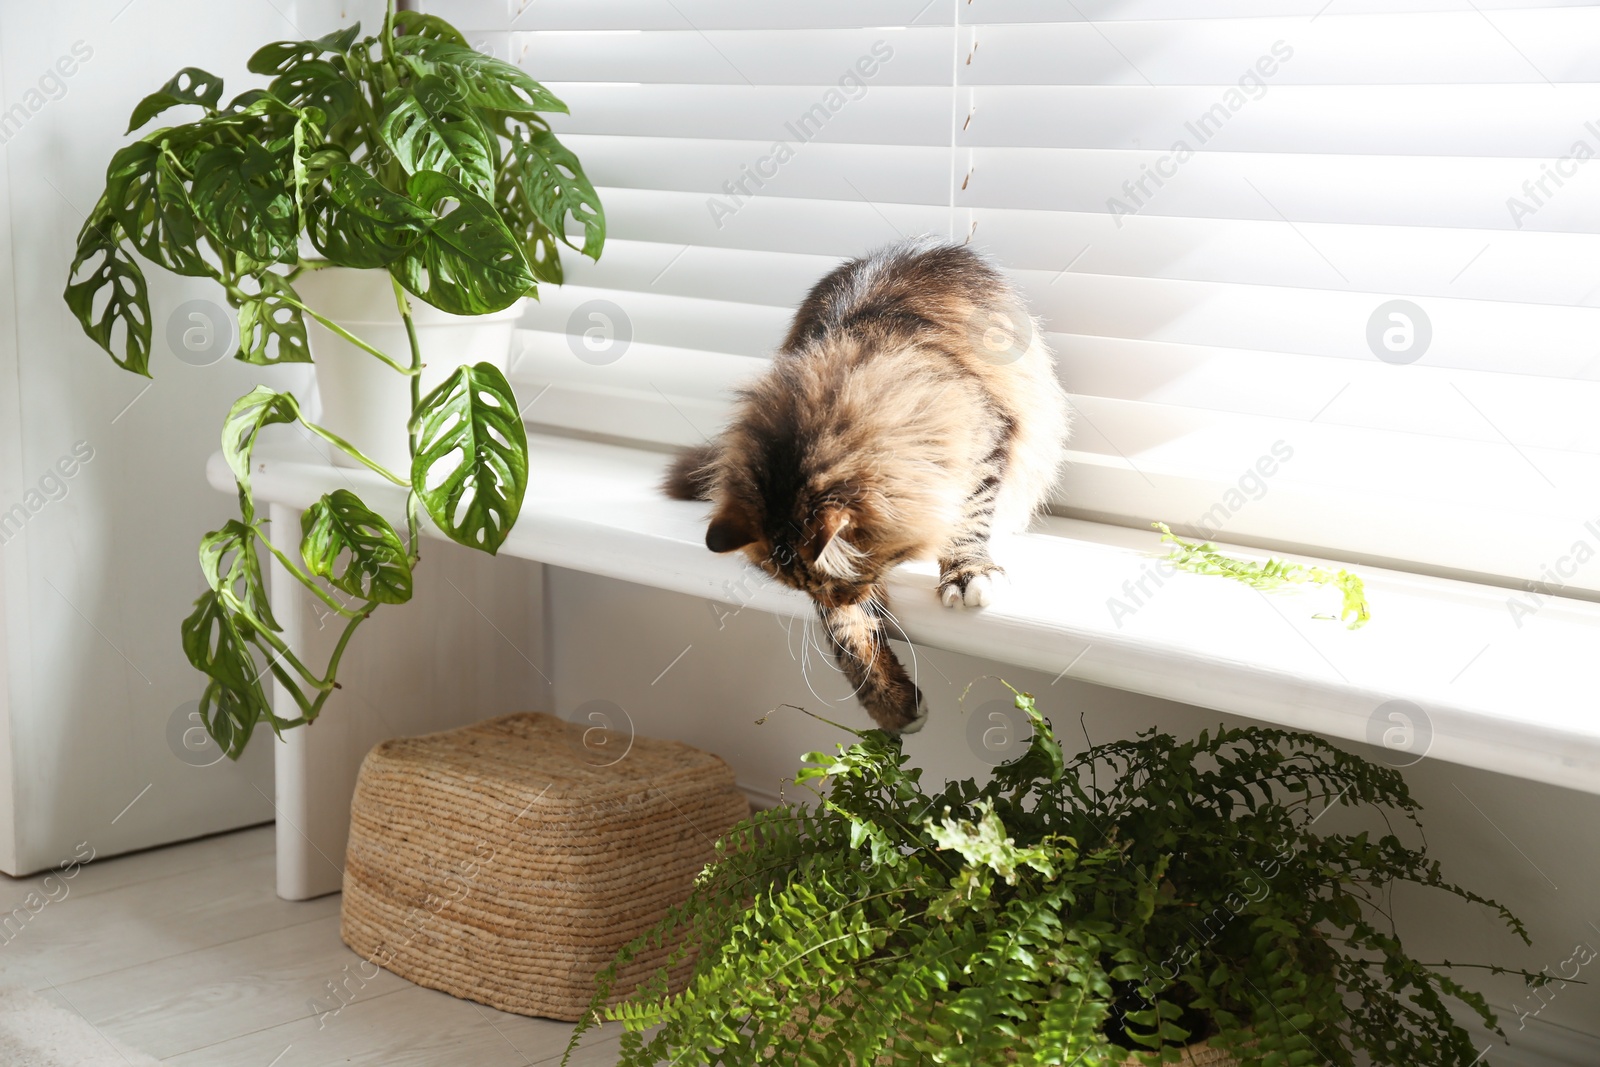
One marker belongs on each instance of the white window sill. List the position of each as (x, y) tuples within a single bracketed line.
[(1515, 699)]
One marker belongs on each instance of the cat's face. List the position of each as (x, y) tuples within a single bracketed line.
[(818, 552)]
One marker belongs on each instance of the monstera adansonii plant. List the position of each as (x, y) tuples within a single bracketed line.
[(407, 152)]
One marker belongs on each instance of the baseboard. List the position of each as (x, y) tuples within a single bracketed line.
[(760, 799), (1535, 1044)]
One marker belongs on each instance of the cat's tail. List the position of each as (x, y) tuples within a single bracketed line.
[(691, 474)]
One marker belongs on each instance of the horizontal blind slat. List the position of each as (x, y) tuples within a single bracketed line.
[(700, 324), (1463, 192), (744, 276), (734, 170), (1525, 268), (1466, 334), (1142, 436), (881, 114), (880, 55), (1049, 11), (741, 14), (1490, 406), (683, 14), (1405, 529), (639, 370), (831, 228), (1530, 119), (634, 417), (1337, 48)]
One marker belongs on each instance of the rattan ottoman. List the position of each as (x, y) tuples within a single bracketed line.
[(506, 862)]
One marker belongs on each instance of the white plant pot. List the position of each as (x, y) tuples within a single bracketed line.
[(365, 402)]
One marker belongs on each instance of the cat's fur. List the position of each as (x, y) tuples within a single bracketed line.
[(912, 410)]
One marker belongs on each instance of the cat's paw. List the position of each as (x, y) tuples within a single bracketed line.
[(971, 585), (904, 711), (920, 721)]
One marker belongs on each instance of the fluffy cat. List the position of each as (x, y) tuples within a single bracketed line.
[(912, 411)]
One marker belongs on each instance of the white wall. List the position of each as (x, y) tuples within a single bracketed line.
[(94, 588), (1535, 847)]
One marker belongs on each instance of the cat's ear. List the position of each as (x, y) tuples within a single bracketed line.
[(728, 531), (826, 524), (836, 555)]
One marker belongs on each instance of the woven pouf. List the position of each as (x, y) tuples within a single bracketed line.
[(506, 862)]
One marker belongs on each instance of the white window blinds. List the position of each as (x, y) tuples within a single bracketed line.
[(1320, 275)]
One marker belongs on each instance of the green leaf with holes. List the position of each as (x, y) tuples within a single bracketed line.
[(246, 200), (471, 466), (355, 549), (191, 85), (216, 641), (428, 128), (355, 222), (432, 27), (468, 263), (230, 715), (232, 567), (259, 408), (474, 78), (318, 83), (279, 56), (551, 183), (106, 293), (272, 329), (539, 245), (245, 101), (147, 197), (306, 133)]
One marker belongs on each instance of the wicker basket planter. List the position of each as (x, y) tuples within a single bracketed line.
[(507, 862)]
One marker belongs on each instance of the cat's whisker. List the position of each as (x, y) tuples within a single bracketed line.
[(806, 674), (877, 648), (827, 657), (884, 609), (808, 642), (805, 644), (787, 622), (814, 640), (839, 668)]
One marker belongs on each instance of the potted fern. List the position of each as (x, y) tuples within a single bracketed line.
[(370, 173), (1149, 901)]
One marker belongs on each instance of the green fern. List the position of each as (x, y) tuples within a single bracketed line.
[(1045, 918), (1273, 574)]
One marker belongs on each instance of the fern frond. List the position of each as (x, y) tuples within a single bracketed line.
[(1204, 558)]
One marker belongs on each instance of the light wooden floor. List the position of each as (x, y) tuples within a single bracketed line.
[(187, 954)]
